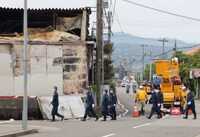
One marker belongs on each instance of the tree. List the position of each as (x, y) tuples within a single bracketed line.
[(188, 62)]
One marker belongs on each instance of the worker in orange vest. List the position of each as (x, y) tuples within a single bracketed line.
[(141, 98)]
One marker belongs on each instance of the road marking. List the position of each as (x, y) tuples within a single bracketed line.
[(6, 122), (109, 135), (143, 125)]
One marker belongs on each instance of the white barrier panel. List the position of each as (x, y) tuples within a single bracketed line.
[(69, 106)]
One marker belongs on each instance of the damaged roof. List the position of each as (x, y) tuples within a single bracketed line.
[(70, 12), (48, 3), (44, 36), (11, 19)]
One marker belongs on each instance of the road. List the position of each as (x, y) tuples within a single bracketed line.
[(169, 126)]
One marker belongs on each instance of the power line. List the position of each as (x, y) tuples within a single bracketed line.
[(119, 23), (177, 49), (114, 7), (162, 11), (189, 47), (163, 53)]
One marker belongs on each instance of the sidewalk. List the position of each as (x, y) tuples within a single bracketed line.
[(11, 129)]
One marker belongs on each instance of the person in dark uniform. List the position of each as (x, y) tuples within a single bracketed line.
[(154, 101), (89, 105), (55, 104), (160, 102), (104, 105), (190, 104), (128, 88), (113, 103)]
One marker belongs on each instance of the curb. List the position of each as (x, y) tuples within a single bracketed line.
[(20, 133)]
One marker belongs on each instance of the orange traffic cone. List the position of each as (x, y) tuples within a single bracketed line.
[(135, 112), (189, 112), (175, 111)]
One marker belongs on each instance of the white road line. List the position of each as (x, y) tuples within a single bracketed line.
[(143, 125), (109, 135), (7, 122)]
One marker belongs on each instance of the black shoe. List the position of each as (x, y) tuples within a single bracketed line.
[(185, 117), (195, 118), (62, 118), (83, 119), (148, 117)]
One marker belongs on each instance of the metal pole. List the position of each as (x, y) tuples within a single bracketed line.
[(197, 89), (109, 26), (143, 54), (150, 69), (163, 46), (99, 42), (25, 99)]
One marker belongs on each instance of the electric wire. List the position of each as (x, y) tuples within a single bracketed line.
[(162, 11)]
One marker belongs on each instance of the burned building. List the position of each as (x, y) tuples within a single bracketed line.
[(58, 54)]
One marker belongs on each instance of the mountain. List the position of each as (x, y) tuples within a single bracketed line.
[(193, 50), (128, 50)]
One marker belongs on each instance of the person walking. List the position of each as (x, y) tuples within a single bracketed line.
[(127, 88), (89, 106), (141, 98), (154, 101), (55, 104), (183, 99), (160, 102), (113, 103), (104, 105), (190, 104)]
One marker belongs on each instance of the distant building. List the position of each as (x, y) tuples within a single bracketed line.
[(60, 51)]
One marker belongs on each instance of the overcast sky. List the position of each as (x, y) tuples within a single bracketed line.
[(138, 21)]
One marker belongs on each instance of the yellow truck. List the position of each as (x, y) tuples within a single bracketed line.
[(171, 86)]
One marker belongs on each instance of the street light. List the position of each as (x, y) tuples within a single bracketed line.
[(25, 99)]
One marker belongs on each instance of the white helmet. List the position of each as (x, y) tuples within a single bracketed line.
[(141, 87)]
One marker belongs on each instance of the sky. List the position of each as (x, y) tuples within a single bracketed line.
[(136, 20)]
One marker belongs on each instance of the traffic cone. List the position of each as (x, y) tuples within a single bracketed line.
[(189, 112), (135, 112), (175, 111)]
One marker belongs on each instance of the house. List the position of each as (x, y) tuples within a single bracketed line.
[(60, 52)]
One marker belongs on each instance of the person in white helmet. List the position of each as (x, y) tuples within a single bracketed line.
[(141, 98)]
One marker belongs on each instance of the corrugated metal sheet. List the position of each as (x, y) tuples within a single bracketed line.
[(45, 11), (49, 3)]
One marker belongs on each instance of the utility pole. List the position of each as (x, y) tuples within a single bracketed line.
[(150, 69), (163, 46), (143, 55), (109, 26), (99, 45), (175, 47), (25, 65)]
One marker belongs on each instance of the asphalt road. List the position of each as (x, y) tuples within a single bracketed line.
[(169, 126)]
